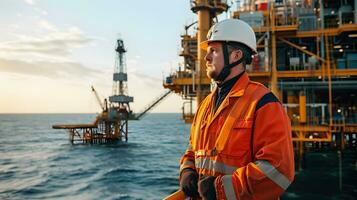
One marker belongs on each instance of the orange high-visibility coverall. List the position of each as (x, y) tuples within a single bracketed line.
[(249, 151)]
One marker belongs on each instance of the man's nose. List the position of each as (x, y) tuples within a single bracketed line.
[(206, 57)]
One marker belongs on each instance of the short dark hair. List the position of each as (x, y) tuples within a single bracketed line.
[(247, 52)]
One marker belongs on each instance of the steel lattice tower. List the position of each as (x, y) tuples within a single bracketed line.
[(120, 98)]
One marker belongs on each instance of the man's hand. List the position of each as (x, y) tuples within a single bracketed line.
[(206, 188), (188, 182)]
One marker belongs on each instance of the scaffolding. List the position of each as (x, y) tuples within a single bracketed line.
[(307, 56)]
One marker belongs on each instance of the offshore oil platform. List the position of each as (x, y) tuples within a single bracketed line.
[(112, 123), (307, 55)]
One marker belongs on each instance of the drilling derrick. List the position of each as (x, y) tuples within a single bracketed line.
[(112, 124), (120, 99)]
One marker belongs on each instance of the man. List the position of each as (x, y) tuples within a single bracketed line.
[(240, 145)]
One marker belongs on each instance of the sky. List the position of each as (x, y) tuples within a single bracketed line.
[(51, 52)]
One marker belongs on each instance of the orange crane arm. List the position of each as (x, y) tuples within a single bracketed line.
[(98, 99)]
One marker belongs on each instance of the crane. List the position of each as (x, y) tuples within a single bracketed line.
[(104, 105)]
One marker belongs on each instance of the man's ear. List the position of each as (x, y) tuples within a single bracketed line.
[(236, 55)]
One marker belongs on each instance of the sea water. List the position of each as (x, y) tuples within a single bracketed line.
[(38, 162)]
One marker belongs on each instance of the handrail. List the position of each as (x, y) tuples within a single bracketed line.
[(178, 195)]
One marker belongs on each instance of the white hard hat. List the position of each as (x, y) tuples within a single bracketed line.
[(231, 30)]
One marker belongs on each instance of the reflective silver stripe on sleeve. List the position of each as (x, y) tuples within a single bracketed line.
[(272, 173), (187, 163), (200, 153), (228, 187), (206, 163)]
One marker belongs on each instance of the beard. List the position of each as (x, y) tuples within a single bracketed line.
[(211, 71)]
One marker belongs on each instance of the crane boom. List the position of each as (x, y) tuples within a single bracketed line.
[(98, 99)]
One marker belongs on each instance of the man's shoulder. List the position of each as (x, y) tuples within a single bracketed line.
[(259, 85), (266, 95), (267, 98)]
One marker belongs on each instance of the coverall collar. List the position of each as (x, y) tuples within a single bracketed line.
[(239, 86), (224, 89), (237, 91)]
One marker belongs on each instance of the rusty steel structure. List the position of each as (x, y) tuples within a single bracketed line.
[(112, 124), (307, 55)]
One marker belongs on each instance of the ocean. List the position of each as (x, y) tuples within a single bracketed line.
[(38, 162)]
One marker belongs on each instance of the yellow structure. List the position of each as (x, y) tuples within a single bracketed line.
[(307, 55)]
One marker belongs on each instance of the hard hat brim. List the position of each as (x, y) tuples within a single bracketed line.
[(204, 45)]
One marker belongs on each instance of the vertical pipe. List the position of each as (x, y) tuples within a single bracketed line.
[(203, 27), (290, 99), (343, 128), (322, 26), (274, 77), (191, 106), (323, 114), (302, 107), (329, 78), (266, 50), (194, 78)]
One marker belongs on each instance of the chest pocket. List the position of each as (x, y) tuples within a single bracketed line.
[(238, 143)]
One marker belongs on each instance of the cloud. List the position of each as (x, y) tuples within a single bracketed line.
[(133, 70), (41, 11), (54, 46), (144, 77), (14, 26), (47, 69), (30, 2), (49, 54), (47, 25)]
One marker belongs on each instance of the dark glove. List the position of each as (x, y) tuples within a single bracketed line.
[(188, 182), (206, 188)]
